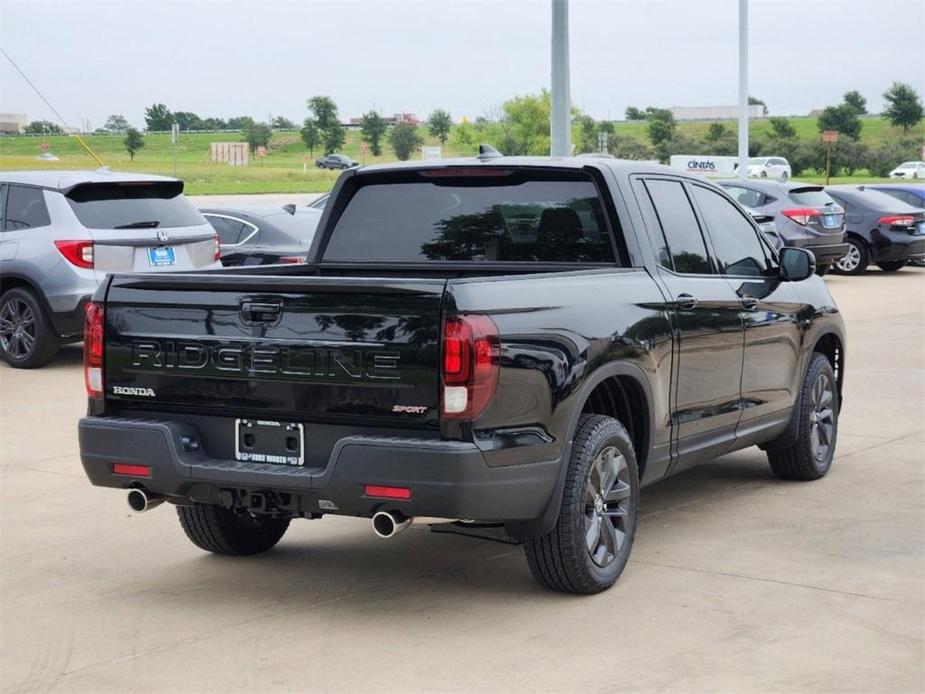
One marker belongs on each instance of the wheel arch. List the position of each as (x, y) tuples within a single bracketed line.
[(628, 385), (12, 281), (832, 347)]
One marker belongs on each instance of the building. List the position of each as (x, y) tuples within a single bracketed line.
[(403, 117), (714, 112), (13, 123)]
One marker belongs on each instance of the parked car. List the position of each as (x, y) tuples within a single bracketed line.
[(61, 232), (881, 230), (336, 161), (909, 169), (805, 215), (263, 234), (769, 167), (911, 194), (510, 345)]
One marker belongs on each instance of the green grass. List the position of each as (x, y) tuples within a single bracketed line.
[(282, 169)]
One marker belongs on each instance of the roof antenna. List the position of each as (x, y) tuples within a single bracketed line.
[(290, 208), (487, 152)]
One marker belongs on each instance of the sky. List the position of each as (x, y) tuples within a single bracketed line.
[(259, 58)]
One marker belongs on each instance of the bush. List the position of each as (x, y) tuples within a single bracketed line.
[(405, 139)]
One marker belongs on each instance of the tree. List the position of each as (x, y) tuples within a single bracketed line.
[(842, 118), (716, 132), (633, 113), (856, 101), (372, 128), (324, 110), (780, 127), (333, 138), (625, 147), (187, 120), (158, 117), (42, 127), (585, 134), (661, 127), (524, 124), (405, 139), (133, 142), (439, 124), (850, 156), (904, 107), (755, 101), (311, 135), (239, 122), (214, 124), (117, 124), (721, 140), (281, 123), (256, 134)]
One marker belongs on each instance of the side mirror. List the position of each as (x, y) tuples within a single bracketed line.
[(796, 264)]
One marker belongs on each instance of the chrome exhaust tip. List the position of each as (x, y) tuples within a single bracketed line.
[(389, 523), (140, 501)]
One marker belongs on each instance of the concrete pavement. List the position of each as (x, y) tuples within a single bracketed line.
[(737, 582)]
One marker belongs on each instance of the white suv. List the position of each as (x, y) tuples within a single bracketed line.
[(61, 232), (769, 167), (909, 169)]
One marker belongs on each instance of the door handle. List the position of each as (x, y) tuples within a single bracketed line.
[(686, 301), (262, 312), (748, 302)]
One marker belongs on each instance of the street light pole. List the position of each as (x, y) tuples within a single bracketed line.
[(560, 125), (743, 88)]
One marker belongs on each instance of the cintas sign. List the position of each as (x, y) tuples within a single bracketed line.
[(704, 164)]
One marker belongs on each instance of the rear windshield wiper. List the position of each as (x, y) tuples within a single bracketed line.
[(138, 225)]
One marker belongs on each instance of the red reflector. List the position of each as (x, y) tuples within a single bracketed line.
[(387, 492), (133, 470)]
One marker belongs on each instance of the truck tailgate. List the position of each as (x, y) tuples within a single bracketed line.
[(303, 348)]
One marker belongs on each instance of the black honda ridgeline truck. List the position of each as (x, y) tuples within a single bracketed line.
[(513, 345)]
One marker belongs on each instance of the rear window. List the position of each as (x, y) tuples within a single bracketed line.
[(508, 217), (811, 197), (873, 200), (133, 205)]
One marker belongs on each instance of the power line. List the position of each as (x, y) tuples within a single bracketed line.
[(53, 109)]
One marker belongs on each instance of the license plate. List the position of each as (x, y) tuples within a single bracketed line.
[(265, 441), (829, 220), (161, 256)]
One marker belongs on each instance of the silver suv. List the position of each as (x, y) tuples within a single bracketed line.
[(61, 232)]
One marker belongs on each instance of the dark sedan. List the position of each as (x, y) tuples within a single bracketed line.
[(881, 230), (804, 214), (911, 194), (336, 161), (263, 234)]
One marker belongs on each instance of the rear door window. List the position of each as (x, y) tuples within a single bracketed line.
[(736, 246), (230, 231), (684, 249), (746, 196), (143, 205), (508, 216), (25, 208)]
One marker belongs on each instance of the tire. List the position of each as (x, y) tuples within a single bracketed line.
[(823, 269), (216, 529), (856, 260), (27, 337), (565, 559), (321, 166), (784, 176), (892, 265), (809, 458), (764, 174)]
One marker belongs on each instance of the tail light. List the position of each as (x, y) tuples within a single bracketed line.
[(470, 365), (897, 220), (801, 215), (77, 253), (217, 248), (292, 259), (93, 350)]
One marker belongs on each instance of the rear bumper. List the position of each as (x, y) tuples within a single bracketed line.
[(447, 479), (896, 245), (825, 253)]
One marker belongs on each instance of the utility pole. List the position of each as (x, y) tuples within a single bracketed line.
[(743, 88), (560, 125)]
